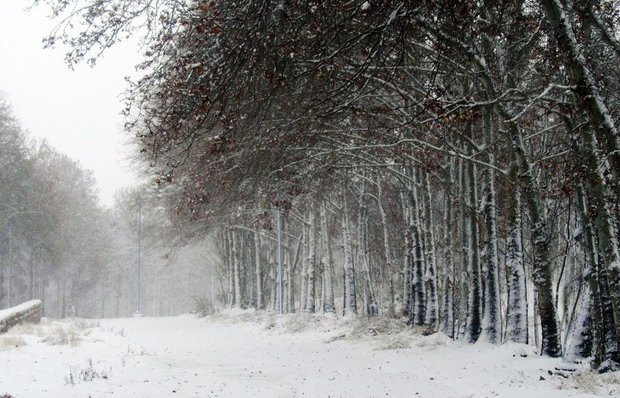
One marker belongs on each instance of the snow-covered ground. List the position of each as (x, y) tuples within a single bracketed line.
[(256, 355)]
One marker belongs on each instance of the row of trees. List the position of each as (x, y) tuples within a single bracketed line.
[(48, 214), (59, 245), (449, 156)]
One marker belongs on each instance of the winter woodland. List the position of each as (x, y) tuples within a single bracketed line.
[(454, 165)]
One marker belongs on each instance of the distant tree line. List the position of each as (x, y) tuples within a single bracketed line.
[(58, 244), (454, 162)]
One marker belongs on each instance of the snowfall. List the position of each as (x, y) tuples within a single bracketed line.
[(256, 354)]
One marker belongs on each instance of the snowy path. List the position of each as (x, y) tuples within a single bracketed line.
[(186, 357)]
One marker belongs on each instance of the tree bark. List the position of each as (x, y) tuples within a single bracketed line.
[(541, 265), (259, 274), (329, 305), (516, 323), (350, 296)]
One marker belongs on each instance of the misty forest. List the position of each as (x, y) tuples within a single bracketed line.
[(451, 168)]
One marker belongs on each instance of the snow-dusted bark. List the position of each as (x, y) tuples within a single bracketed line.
[(350, 298), (541, 264), (447, 308), (463, 268), (286, 275), (407, 259), (286, 269), (293, 267), (582, 340), (273, 281), (474, 298), (312, 263), (230, 283), (417, 275), (329, 305), (372, 307), (587, 335), (491, 319), (236, 259), (608, 350), (386, 246), (303, 289), (516, 322), (258, 271), (430, 276)]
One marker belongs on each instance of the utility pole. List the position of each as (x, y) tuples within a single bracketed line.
[(138, 293), (212, 287), (10, 289)]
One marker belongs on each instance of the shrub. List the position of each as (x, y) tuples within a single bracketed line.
[(202, 306)]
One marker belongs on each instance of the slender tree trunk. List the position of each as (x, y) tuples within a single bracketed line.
[(516, 323), (259, 276), (350, 296), (372, 307), (464, 252), (491, 320), (386, 248), (312, 263), (474, 300), (329, 305), (303, 298), (430, 277), (417, 279), (229, 267), (236, 259), (408, 259), (292, 276), (447, 311), (588, 331), (273, 280)]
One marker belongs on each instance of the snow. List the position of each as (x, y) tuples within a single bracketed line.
[(24, 307), (253, 354)]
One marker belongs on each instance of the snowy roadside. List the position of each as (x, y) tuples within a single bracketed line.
[(255, 354)]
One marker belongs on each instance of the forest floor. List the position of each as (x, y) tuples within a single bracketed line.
[(254, 354)]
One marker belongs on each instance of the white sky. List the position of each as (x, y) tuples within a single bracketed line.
[(77, 112)]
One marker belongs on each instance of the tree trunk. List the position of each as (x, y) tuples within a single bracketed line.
[(303, 297), (408, 259), (541, 265), (447, 311), (259, 276), (491, 320), (311, 271), (229, 267), (350, 295), (464, 283), (372, 307), (474, 299), (329, 305), (236, 270), (417, 277), (386, 248), (516, 323), (430, 277)]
